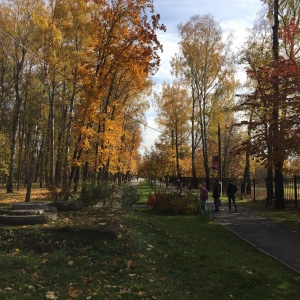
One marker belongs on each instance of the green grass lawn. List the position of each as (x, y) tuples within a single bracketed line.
[(148, 256), (152, 257), (144, 191)]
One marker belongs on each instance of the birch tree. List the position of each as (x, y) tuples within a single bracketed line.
[(206, 63), (17, 17)]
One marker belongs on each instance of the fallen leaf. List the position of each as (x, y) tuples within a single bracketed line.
[(129, 263), (51, 295), (35, 277), (73, 293)]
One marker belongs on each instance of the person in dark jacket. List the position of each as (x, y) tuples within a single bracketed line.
[(216, 194), (231, 190)]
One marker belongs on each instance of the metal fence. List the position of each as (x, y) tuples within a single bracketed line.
[(291, 191), (258, 189)]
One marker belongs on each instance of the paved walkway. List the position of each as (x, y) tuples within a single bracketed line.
[(273, 238)]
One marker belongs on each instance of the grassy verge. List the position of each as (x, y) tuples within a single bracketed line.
[(194, 258), (151, 257)]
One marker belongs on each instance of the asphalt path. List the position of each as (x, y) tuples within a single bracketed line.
[(278, 240)]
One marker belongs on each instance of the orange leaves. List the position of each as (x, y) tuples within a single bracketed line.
[(286, 71), (276, 102), (73, 293), (122, 50)]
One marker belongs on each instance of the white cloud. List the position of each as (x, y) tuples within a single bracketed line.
[(170, 48), (233, 16)]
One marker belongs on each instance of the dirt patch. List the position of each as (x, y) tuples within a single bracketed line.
[(87, 226)]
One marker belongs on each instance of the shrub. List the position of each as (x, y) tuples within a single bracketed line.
[(92, 194), (130, 195), (125, 196), (173, 203)]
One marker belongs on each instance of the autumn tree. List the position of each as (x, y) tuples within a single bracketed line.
[(173, 109), (17, 22), (255, 52), (121, 56), (158, 163), (275, 100), (74, 75), (206, 63)]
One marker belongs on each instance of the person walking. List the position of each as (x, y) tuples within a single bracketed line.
[(203, 196), (216, 194), (231, 190)]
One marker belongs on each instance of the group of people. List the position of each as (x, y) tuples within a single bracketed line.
[(231, 189)]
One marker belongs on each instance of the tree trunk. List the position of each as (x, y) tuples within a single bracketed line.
[(31, 170), (76, 180), (9, 186), (247, 179), (17, 108), (203, 129), (279, 188), (177, 158), (194, 143), (194, 173), (65, 168), (51, 134), (270, 194), (275, 129)]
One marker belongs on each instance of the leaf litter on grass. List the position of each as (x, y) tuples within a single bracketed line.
[(101, 254)]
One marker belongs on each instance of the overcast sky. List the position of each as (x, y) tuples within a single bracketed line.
[(231, 15)]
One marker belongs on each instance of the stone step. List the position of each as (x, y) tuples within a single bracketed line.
[(28, 213), (18, 212), (23, 220), (29, 205)]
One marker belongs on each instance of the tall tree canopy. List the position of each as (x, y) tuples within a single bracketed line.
[(206, 64), (174, 110), (275, 92), (73, 85)]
